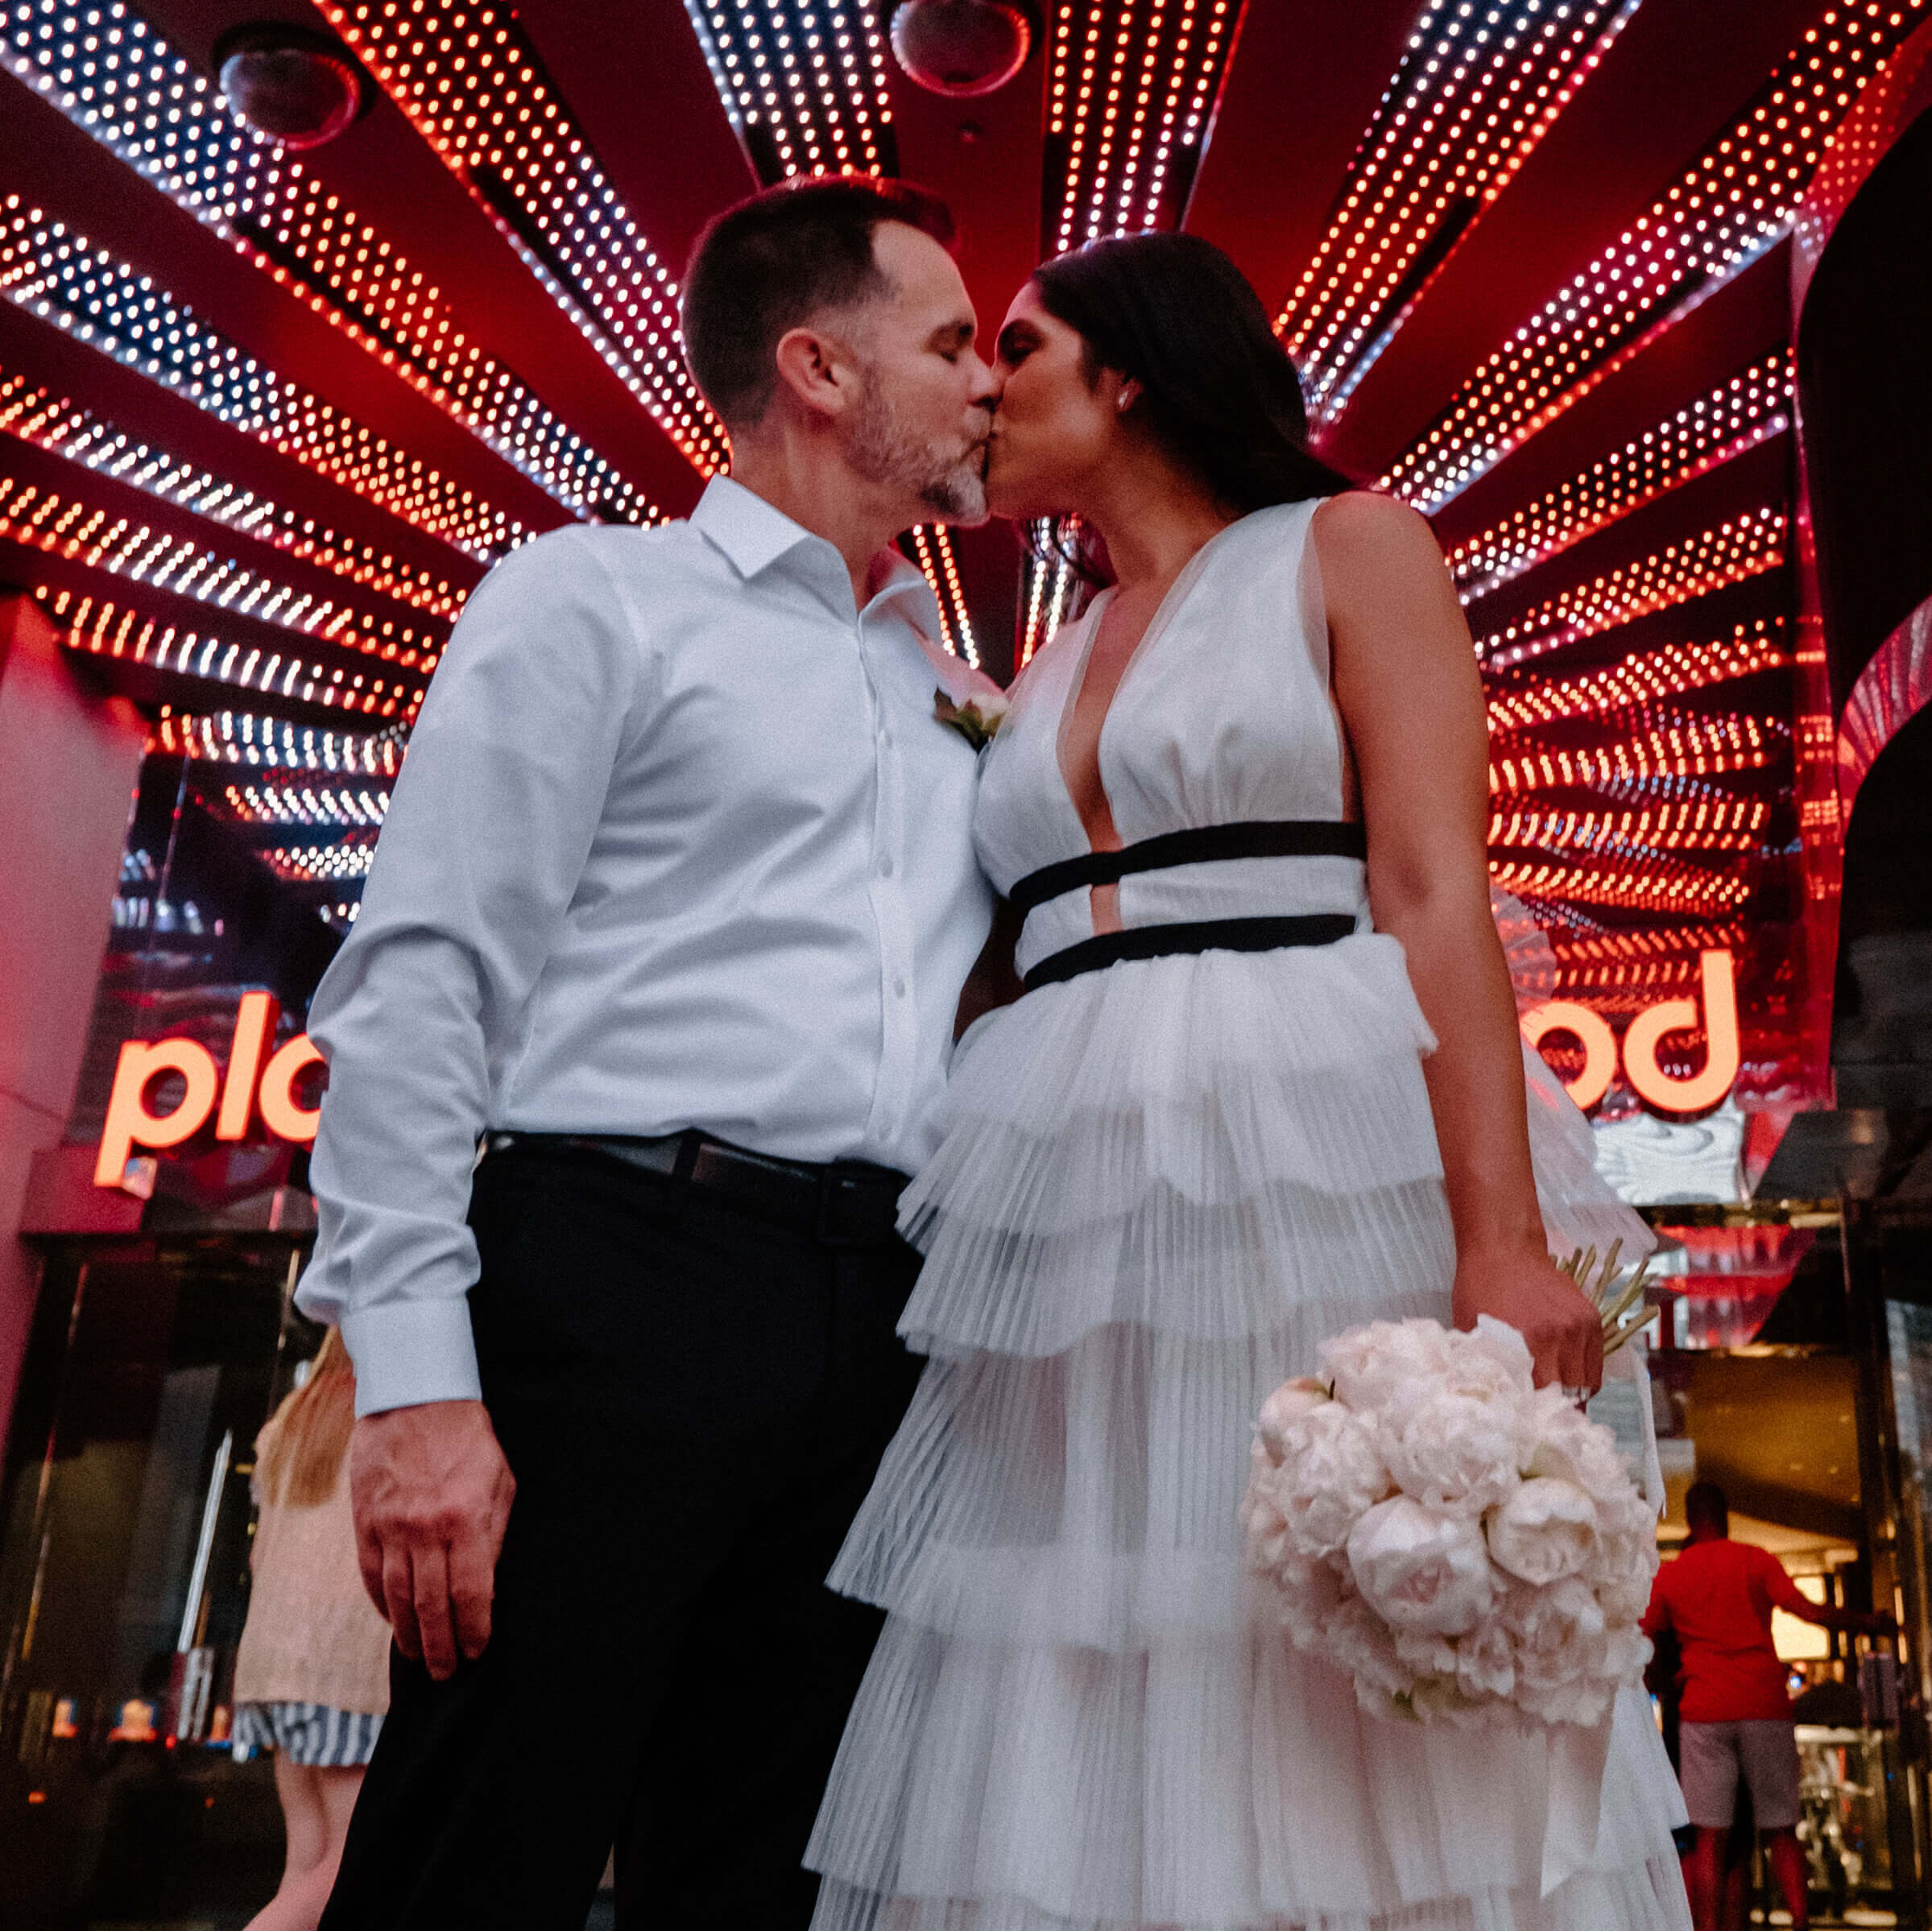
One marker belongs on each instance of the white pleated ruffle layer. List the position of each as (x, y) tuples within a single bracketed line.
[(1204, 1784), (1160, 1187)]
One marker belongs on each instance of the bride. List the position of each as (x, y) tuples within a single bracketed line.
[(1263, 1082)]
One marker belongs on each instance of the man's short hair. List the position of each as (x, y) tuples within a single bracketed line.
[(1706, 1506), (773, 261)]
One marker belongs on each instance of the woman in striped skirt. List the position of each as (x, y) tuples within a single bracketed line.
[(312, 1677)]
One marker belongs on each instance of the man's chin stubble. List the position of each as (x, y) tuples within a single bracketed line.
[(960, 496)]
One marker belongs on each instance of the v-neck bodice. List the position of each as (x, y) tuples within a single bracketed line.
[(1223, 714)]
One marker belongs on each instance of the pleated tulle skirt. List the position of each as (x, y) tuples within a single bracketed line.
[(1159, 1188)]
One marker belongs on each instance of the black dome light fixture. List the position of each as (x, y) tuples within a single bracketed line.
[(961, 48), (295, 86)]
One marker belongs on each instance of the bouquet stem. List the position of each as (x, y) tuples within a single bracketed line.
[(1618, 1301)]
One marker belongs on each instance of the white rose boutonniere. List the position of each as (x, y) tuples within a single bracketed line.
[(977, 720)]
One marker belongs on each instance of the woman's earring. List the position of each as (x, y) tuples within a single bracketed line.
[(1122, 401)]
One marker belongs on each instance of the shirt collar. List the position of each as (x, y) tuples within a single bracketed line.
[(907, 582), (754, 535), (750, 530)]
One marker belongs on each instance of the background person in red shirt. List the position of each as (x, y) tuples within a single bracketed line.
[(1717, 1597)]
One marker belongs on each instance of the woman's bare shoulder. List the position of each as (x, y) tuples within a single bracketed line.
[(1379, 560), (1362, 523)]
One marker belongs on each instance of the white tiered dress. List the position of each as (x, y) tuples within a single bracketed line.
[(1160, 1185)]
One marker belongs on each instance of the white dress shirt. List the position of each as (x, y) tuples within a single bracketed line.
[(679, 842)]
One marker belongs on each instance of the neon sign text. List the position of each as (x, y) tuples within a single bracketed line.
[(1718, 982), (247, 1086)]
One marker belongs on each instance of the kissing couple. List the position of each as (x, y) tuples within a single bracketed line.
[(723, 1031)]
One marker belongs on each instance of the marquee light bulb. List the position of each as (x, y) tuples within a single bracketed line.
[(803, 83), (62, 428), (472, 86), (1731, 206), (52, 272), (273, 744), (1744, 546), (1121, 104), (71, 529), (933, 545), (102, 628), (1734, 416), (106, 69), (1524, 703), (1479, 87)]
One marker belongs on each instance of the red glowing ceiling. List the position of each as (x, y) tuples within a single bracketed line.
[(267, 416)]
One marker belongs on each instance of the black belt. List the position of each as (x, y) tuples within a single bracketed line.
[(1250, 838), (838, 1204), (1205, 935)]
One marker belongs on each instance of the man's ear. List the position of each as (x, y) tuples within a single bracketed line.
[(817, 368)]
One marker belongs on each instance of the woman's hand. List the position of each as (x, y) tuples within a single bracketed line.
[(1524, 1287)]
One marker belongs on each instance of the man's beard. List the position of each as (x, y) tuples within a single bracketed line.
[(947, 474)]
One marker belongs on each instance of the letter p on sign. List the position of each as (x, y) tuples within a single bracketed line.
[(141, 1063)]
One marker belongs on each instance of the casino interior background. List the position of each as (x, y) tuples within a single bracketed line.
[(1631, 297)]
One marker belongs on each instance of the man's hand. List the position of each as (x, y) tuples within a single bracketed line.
[(432, 1494), (1526, 1289)]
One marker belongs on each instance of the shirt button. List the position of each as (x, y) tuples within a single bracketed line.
[(898, 988), (885, 867)]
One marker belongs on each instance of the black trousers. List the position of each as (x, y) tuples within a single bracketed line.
[(693, 1403)]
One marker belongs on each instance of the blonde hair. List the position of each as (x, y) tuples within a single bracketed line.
[(301, 1450)]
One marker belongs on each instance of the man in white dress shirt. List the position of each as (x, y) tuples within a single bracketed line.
[(670, 917)]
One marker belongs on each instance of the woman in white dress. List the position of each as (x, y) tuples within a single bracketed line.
[(1265, 1081)]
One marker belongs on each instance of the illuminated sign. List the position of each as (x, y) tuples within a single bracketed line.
[(1695, 1093), (233, 1099)]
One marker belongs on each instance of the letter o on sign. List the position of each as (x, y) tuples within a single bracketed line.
[(1591, 1032), (280, 1113)]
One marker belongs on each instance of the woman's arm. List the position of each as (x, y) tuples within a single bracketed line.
[(1411, 701), (992, 982)]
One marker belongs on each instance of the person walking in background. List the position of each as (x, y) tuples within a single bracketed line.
[(1717, 1600), (311, 1675)]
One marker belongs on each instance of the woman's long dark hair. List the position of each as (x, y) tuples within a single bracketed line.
[(1219, 392)]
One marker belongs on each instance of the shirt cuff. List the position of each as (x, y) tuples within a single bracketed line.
[(406, 1352)]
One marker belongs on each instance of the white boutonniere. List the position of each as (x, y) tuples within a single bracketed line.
[(977, 720)]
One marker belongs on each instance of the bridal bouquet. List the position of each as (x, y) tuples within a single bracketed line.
[(1464, 1543)]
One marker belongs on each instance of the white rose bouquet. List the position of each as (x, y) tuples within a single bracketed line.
[(1466, 1544)]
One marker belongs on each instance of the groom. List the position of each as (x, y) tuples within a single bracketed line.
[(664, 939)]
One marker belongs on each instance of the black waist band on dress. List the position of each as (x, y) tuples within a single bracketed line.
[(1203, 935), (1250, 838)]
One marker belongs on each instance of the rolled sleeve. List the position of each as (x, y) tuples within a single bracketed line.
[(496, 809)]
